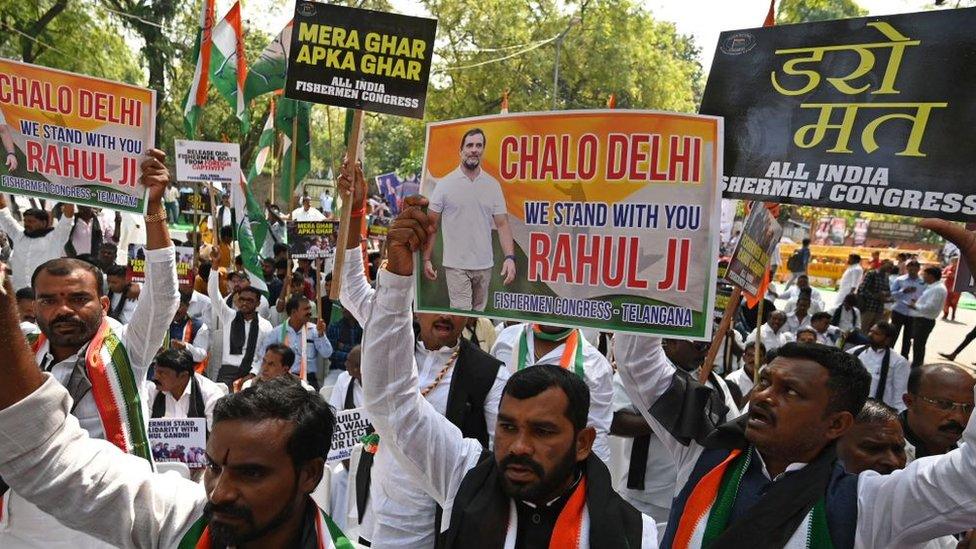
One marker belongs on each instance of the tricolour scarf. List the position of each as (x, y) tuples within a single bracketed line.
[(572, 356), (572, 529), (187, 334), (708, 510), (322, 534), (115, 390)]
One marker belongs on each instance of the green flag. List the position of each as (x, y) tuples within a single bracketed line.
[(288, 111), (255, 213), (267, 74)]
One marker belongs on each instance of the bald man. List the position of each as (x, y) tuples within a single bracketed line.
[(939, 402)]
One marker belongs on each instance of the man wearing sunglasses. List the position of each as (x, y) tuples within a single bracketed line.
[(939, 402)]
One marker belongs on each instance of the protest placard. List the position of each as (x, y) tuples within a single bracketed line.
[(312, 239), (183, 440), (208, 162), (195, 203), (136, 267), (605, 219), (350, 427), (760, 234), (867, 114), (360, 59), (75, 138), (887, 230), (378, 227)]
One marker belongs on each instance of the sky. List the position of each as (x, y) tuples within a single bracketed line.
[(687, 15)]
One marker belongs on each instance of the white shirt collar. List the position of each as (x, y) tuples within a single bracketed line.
[(789, 468)]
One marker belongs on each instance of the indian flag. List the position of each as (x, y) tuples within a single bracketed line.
[(245, 240), (244, 199), (196, 96), (228, 66), (268, 73)]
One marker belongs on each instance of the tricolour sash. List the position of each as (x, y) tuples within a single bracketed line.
[(115, 390)]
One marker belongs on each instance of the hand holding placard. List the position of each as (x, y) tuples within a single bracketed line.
[(408, 235)]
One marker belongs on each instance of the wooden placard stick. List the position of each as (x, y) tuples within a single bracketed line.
[(345, 215), (719, 334)]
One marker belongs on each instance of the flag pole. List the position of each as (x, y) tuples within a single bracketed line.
[(345, 216), (294, 159), (719, 335)]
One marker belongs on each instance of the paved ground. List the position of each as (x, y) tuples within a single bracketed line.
[(945, 337)]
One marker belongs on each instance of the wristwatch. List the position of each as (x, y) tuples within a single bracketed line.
[(512, 257)]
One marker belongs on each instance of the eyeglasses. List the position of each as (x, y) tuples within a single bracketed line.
[(948, 405)]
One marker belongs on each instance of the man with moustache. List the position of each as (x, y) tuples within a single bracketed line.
[(771, 478), (101, 363), (876, 441), (461, 382), (939, 403), (463, 206), (541, 486), (265, 456)]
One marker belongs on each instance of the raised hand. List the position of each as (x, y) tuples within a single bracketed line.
[(408, 235)]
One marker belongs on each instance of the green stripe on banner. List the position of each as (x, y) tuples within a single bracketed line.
[(130, 396)]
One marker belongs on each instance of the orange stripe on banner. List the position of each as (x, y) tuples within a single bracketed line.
[(771, 15), (753, 300), (566, 533), (701, 498), (102, 390), (318, 530)]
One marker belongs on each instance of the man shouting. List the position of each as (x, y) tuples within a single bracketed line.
[(541, 486)]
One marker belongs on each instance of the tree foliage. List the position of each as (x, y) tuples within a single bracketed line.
[(805, 11)]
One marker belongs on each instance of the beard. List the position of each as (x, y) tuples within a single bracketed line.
[(547, 484), (84, 329), (231, 535), (472, 162)]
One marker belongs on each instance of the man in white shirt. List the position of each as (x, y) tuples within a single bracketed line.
[(306, 212), (35, 241), (277, 361), (525, 345), (741, 381), (123, 296), (347, 393), (90, 228), (850, 280), (542, 470), (464, 206), (189, 334), (25, 306), (905, 290), (889, 370), (199, 306), (242, 328), (458, 379), (826, 334), (927, 308), (226, 215), (307, 340), (800, 318), (803, 289), (179, 391), (649, 472), (76, 336), (773, 332)]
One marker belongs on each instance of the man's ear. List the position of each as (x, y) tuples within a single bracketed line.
[(584, 443), (840, 423), (106, 304), (310, 475)]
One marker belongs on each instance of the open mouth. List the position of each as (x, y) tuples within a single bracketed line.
[(759, 418), (442, 328)]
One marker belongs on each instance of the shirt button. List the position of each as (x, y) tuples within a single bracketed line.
[(536, 519)]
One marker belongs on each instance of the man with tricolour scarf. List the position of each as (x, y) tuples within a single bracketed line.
[(771, 478), (542, 486), (459, 380), (265, 456), (101, 363), (36, 241)]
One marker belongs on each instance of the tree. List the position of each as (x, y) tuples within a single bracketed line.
[(805, 11)]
